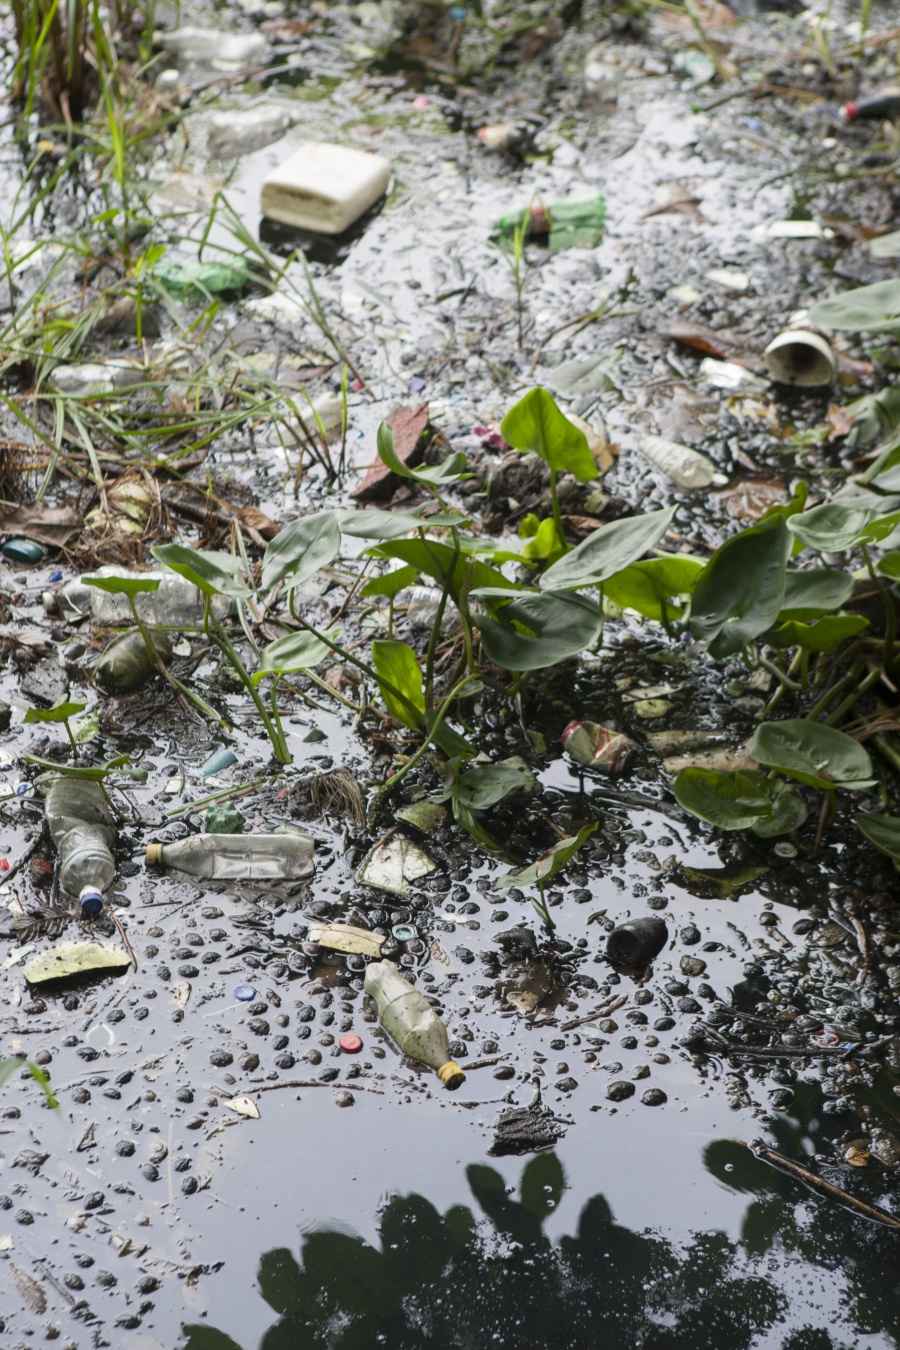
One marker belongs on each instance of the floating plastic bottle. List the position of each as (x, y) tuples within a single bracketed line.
[(280, 856), (176, 601), (125, 664), (410, 1020), (684, 466), (882, 107), (597, 747), (83, 830)]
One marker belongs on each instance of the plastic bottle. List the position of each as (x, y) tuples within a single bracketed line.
[(566, 215), (176, 601), (280, 856), (884, 106), (637, 942), (684, 466), (125, 664), (83, 830), (410, 1020)]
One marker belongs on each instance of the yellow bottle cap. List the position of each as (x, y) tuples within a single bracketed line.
[(451, 1075), (153, 856)]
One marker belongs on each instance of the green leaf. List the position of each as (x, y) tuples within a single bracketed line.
[(302, 548), (889, 565), (60, 712), (211, 571), (375, 524), (814, 592), (484, 785), (390, 583), (840, 525), (608, 551), (883, 832), (548, 865), (436, 560), (551, 626), (731, 801), (96, 773), (537, 426), (123, 585), (866, 309), (821, 636), (545, 545), (789, 812), (294, 651), (397, 663), (740, 591), (84, 729), (647, 587), (813, 754), (452, 470)]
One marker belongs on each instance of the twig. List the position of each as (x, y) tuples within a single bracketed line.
[(817, 1183), (312, 1082), (862, 942), (592, 1017), (21, 861), (485, 1063), (124, 936)]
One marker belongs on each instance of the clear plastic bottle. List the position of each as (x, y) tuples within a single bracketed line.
[(684, 466), (410, 1020), (280, 856), (176, 601), (83, 830), (125, 664)]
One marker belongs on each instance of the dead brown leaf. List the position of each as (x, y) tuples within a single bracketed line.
[(748, 498), (51, 525)]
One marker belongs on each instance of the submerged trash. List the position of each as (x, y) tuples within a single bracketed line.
[(22, 552), (637, 942), (729, 375), (190, 279), (698, 67), (224, 819), (324, 187), (82, 828), (563, 222), (686, 467), (244, 1106), (410, 1020), (236, 131), (221, 758), (211, 44), (343, 937), (884, 106), (125, 664), (259, 857), (800, 357), (525, 1129), (93, 379), (350, 1043), (601, 75), (514, 137), (597, 747), (393, 863), (75, 958)]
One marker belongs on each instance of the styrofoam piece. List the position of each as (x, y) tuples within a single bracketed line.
[(324, 188)]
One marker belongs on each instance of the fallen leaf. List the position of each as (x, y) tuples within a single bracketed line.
[(343, 937), (52, 525), (702, 338), (409, 426), (748, 498), (244, 1106), (75, 958), (839, 421), (254, 519)]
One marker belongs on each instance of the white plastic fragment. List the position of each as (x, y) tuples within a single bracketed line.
[(730, 279), (392, 864), (235, 132), (344, 937), (244, 1106), (324, 188), (601, 75), (729, 375), (75, 958), (211, 44), (801, 358), (793, 229), (684, 466)]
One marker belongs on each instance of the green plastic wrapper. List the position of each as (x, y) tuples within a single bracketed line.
[(185, 279), (570, 222), (224, 819)]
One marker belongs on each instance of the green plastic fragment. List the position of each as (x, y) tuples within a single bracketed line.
[(565, 223), (186, 279), (224, 819)]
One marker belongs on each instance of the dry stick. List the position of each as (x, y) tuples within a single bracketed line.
[(20, 862), (817, 1183), (124, 936), (486, 1063), (592, 1017), (310, 1082), (862, 942)]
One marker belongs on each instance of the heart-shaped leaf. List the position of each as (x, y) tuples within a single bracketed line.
[(866, 309), (883, 832), (814, 754), (731, 801), (814, 592), (212, 572), (397, 664), (739, 593), (123, 585), (302, 548), (821, 636), (608, 551), (451, 470), (537, 425), (550, 626), (548, 865), (651, 588), (60, 712), (294, 651)]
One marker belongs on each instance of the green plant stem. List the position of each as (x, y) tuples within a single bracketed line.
[(71, 737), (388, 786), (156, 660), (557, 514), (846, 704), (225, 794), (541, 907), (887, 751), (779, 674), (216, 633), (438, 620), (843, 683), (890, 616)]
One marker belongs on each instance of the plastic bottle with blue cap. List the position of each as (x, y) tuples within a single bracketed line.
[(82, 828)]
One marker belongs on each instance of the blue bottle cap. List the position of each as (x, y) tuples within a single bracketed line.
[(91, 902), (404, 932), (245, 993)]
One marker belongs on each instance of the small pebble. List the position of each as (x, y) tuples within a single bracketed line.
[(344, 1098), (619, 1091), (654, 1097)]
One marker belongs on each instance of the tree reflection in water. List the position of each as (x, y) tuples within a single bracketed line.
[(451, 1280)]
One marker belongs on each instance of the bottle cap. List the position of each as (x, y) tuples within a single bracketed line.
[(244, 993), (153, 856), (91, 902), (404, 932), (451, 1075), (350, 1043)]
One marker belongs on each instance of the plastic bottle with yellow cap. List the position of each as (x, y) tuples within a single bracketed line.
[(410, 1020)]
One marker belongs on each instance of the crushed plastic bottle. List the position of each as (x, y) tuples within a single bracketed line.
[(125, 664), (176, 601), (684, 466), (286, 856), (191, 43), (597, 747), (82, 828), (234, 131), (410, 1020)]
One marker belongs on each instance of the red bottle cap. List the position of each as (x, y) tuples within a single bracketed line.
[(350, 1043)]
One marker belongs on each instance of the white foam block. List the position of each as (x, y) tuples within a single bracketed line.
[(324, 188)]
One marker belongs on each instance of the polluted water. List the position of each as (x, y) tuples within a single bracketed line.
[(491, 418)]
